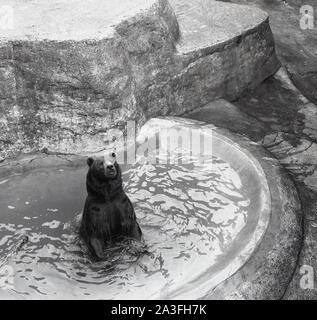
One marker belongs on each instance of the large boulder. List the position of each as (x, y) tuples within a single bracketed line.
[(71, 70)]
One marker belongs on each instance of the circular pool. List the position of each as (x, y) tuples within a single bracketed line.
[(202, 199)]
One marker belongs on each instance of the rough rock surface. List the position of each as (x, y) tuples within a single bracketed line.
[(65, 90), (296, 48)]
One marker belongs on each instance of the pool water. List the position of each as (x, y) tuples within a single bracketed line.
[(192, 215)]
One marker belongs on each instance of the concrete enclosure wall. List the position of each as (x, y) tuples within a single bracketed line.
[(64, 92)]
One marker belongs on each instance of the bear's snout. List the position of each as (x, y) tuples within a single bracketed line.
[(109, 165), (110, 170)]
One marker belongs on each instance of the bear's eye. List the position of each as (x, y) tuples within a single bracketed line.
[(113, 155)]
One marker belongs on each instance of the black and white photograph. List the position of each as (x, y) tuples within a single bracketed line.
[(158, 150)]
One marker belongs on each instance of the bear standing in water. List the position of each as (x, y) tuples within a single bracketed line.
[(108, 213)]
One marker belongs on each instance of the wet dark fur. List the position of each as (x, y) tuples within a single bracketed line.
[(108, 213)]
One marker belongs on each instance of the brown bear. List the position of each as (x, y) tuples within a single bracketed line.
[(108, 214)]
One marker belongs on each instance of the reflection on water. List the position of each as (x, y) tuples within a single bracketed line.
[(189, 213)]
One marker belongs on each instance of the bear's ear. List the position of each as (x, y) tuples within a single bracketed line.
[(90, 161)]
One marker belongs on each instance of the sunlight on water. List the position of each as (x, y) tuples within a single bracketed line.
[(189, 213)]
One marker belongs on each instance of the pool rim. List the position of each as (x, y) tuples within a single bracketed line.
[(268, 271), (248, 167)]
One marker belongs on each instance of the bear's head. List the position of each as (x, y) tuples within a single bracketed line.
[(104, 168), (104, 176)]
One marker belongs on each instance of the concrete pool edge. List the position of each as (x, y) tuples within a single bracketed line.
[(266, 274)]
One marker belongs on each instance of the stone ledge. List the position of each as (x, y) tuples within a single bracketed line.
[(66, 93), (208, 26)]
